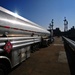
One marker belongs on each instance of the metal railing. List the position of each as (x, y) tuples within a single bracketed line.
[(19, 41), (70, 42)]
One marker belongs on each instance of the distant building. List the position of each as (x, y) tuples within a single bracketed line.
[(65, 25), (57, 32)]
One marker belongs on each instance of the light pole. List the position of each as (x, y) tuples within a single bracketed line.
[(51, 27), (51, 30)]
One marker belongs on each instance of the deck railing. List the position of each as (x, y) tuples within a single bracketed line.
[(69, 42)]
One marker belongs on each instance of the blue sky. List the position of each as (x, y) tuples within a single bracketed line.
[(43, 11)]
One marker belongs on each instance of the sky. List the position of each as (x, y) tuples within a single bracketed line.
[(43, 11)]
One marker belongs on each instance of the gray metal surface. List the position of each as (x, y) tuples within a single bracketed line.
[(8, 18), (18, 31), (19, 41)]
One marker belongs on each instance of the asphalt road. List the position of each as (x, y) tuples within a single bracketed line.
[(46, 61)]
